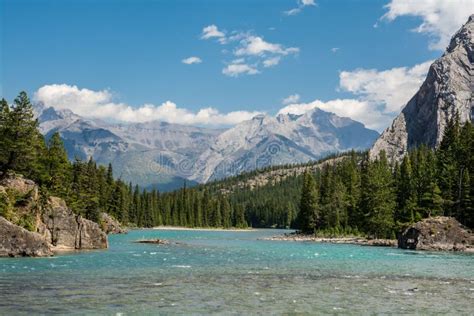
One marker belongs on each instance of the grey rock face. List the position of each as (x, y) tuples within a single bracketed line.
[(110, 225), (67, 230), (437, 233), (16, 241), (447, 90)]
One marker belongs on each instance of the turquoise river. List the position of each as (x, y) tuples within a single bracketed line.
[(231, 272)]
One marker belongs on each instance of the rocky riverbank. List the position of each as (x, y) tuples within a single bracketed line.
[(336, 240), (32, 226), (437, 234)]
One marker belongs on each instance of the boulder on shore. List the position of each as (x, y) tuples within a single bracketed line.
[(110, 225), (437, 233), (16, 241), (67, 230)]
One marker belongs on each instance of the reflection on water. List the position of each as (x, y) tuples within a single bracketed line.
[(235, 272)]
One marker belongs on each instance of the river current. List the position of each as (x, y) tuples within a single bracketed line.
[(230, 272)]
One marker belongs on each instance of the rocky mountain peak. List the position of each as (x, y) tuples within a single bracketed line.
[(446, 91)]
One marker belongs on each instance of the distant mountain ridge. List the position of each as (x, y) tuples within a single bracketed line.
[(447, 91), (164, 155)]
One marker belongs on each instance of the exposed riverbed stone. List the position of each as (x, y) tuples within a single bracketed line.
[(437, 233), (16, 241)]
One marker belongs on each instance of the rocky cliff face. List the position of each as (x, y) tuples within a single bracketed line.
[(51, 225), (447, 90), (66, 230), (16, 241), (437, 233)]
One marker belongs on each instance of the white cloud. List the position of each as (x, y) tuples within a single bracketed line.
[(291, 99), (192, 60), (237, 69), (334, 49), (440, 18), (392, 88), (257, 46), (211, 31), (378, 95), (100, 104), (270, 62), (251, 52), (301, 5), (294, 11)]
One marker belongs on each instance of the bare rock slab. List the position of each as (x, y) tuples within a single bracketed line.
[(16, 241), (437, 233)]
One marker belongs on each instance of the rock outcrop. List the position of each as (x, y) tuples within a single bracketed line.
[(51, 224), (447, 90), (16, 241), (66, 230), (110, 225), (437, 233)]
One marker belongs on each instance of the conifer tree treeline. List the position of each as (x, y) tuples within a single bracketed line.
[(355, 195)]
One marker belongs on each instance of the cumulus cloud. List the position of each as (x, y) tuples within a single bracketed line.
[(392, 88), (251, 53), (237, 69), (334, 49), (100, 104), (301, 5), (211, 31), (291, 99), (270, 62), (378, 95), (440, 18), (257, 46), (192, 60)]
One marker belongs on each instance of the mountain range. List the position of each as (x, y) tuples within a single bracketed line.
[(163, 155)]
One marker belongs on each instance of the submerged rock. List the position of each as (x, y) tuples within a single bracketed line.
[(437, 233), (152, 241), (110, 225), (16, 241)]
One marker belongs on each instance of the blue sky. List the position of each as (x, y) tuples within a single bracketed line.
[(127, 56)]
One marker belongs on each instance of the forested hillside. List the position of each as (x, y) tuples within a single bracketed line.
[(345, 194)]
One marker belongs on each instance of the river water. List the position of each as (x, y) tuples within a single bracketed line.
[(226, 272)]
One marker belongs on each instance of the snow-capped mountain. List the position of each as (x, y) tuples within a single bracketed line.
[(163, 155)]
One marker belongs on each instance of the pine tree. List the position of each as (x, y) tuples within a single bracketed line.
[(465, 203), (378, 198), (309, 208), (406, 194), (58, 167), (240, 217), (21, 137)]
